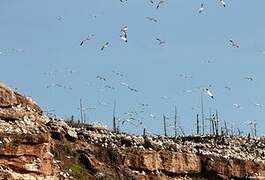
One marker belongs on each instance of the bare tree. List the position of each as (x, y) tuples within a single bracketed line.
[(202, 113), (198, 124), (175, 122), (165, 125), (81, 111), (113, 117)]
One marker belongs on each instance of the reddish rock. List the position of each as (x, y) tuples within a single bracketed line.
[(181, 163), (146, 160), (7, 96), (229, 168)]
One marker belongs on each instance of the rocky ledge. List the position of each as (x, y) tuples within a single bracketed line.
[(33, 146)]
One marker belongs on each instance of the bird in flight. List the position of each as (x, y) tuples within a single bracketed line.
[(159, 3), (59, 18), (201, 8), (160, 41), (233, 43), (104, 46), (86, 39), (259, 105), (151, 19), (101, 78), (124, 34), (237, 106), (124, 37), (209, 93), (249, 78), (228, 88), (124, 29), (223, 3)]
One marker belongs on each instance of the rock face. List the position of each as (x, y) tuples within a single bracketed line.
[(167, 161), (24, 139), (33, 147)]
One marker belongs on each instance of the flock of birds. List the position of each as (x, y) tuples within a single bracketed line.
[(135, 116)]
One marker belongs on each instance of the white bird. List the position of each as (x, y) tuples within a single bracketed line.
[(160, 41), (237, 106), (151, 19), (228, 88), (86, 39), (159, 3), (164, 97), (124, 34), (104, 46), (124, 29), (59, 18), (249, 78), (117, 73), (233, 43), (124, 37), (101, 78), (223, 3), (201, 8), (259, 105), (152, 116), (210, 61), (209, 93)]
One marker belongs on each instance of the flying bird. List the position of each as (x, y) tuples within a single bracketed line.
[(104, 46), (233, 43), (132, 89), (237, 106), (118, 73), (101, 78), (59, 18), (86, 39), (124, 29), (109, 87), (152, 116), (125, 84), (151, 19), (259, 105), (160, 41), (124, 37), (228, 88), (124, 34), (209, 93), (159, 3), (223, 3), (201, 8), (249, 78)]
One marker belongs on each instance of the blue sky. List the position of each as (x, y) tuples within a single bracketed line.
[(34, 43)]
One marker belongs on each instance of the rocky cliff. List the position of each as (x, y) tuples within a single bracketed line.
[(33, 146)]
